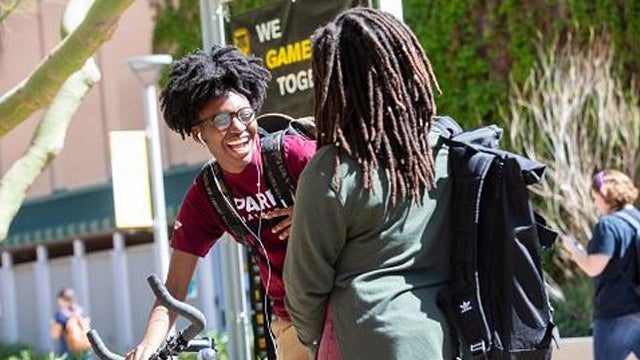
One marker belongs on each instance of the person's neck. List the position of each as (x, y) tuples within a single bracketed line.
[(233, 170)]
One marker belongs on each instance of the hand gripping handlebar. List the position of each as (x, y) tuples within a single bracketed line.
[(183, 309), (172, 346)]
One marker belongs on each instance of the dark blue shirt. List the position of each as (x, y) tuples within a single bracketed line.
[(61, 318), (614, 295)]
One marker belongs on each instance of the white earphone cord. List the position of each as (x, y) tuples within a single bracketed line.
[(268, 261), (264, 249)]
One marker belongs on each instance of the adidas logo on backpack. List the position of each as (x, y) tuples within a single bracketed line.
[(465, 306)]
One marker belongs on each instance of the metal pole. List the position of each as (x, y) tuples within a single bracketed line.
[(206, 21), (206, 292), (160, 232), (212, 19), (236, 299), (233, 275), (9, 300), (80, 276), (393, 7), (218, 21), (43, 296), (121, 292)]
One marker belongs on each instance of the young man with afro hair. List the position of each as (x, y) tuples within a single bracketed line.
[(213, 96)]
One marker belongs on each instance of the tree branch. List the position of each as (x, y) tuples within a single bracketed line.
[(38, 90), (49, 137), (7, 7), (47, 142)]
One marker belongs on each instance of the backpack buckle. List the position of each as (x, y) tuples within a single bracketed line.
[(478, 348)]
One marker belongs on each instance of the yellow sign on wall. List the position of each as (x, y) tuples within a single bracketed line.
[(130, 177)]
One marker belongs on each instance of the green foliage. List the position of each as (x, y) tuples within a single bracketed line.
[(239, 6), (573, 315), (476, 47), (177, 30), (453, 44), (221, 340), (24, 352), (177, 27)]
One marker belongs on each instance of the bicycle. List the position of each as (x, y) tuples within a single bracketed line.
[(182, 342)]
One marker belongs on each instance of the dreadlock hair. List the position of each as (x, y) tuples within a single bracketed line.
[(201, 76), (374, 98)]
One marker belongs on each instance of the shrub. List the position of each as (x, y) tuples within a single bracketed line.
[(18, 351), (575, 115), (572, 314)]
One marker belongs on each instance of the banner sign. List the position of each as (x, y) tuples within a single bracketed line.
[(280, 34)]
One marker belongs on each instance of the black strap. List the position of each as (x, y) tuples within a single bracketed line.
[(461, 302), (631, 220), (447, 126), (220, 197), (276, 173)]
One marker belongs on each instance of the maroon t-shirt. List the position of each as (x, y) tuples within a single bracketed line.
[(198, 226)]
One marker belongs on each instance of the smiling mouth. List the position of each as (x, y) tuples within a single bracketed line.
[(238, 144)]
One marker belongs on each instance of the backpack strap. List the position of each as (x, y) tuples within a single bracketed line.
[(276, 173), (447, 126), (635, 224), (461, 302), (219, 196), (630, 219), (277, 178), (484, 136)]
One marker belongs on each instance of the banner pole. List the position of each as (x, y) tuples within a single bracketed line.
[(393, 7), (234, 280)]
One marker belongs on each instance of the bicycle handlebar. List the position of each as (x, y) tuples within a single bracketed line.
[(191, 313), (99, 348), (181, 342)]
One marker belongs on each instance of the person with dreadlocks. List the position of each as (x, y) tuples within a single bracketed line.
[(213, 96), (369, 244)]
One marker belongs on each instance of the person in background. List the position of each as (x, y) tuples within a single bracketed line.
[(369, 244), (213, 97), (610, 259), (67, 308)]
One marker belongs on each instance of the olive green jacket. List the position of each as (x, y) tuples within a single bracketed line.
[(379, 266)]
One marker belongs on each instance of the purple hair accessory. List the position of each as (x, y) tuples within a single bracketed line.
[(599, 180)]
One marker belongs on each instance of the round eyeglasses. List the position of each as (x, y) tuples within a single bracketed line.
[(222, 121)]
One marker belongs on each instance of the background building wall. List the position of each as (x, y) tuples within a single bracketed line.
[(140, 265), (114, 103), (27, 304)]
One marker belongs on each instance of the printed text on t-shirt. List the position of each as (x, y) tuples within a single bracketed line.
[(249, 206)]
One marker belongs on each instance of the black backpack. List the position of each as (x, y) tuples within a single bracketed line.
[(495, 302), (633, 276)]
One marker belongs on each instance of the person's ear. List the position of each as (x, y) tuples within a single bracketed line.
[(196, 134)]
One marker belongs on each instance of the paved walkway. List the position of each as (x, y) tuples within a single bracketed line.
[(577, 349)]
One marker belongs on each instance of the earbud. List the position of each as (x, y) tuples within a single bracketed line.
[(200, 138)]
